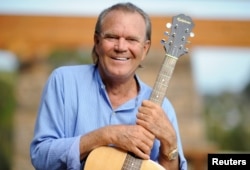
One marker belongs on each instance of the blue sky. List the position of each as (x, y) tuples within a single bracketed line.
[(226, 9), (206, 61), (218, 69)]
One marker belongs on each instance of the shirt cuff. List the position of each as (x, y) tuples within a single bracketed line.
[(73, 159)]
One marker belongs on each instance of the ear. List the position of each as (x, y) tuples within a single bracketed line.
[(146, 48), (147, 45)]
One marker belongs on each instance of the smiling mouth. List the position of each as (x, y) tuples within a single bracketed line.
[(120, 58)]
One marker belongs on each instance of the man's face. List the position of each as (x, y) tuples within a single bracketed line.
[(121, 45)]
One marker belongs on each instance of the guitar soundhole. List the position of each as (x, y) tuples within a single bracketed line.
[(132, 163)]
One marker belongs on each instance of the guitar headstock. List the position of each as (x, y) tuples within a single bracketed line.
[(181, 28)]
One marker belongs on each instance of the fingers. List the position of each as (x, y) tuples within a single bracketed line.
[(146, 117), (149, 107), (135, 139), (149, 137), (141, 153), (153, 118), (141, 116), (144, 144), (149, 104)]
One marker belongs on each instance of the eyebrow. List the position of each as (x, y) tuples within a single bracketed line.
[(106, 35), (109, 35)]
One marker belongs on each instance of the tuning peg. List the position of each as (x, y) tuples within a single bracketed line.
[(180, 47), (163, 41), (191, 34), (168, 25), (166, 33), (186, 50)]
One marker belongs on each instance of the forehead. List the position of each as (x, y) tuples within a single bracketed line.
[(122, 22)]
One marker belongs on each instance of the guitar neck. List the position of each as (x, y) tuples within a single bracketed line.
[(163, 78)]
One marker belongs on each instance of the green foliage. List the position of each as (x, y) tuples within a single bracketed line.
[(62, 57), (247, 91), (7, 107), (227, 118)]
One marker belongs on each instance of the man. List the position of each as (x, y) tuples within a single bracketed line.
[(88, 106)]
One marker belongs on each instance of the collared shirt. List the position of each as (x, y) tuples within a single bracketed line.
[(75, 102)]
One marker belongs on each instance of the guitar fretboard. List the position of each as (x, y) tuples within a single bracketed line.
[(131, 163), (163, 78)]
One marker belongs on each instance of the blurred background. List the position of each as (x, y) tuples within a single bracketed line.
[(210, 87)]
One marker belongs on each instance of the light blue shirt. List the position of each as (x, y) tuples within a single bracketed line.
[(75, 102)]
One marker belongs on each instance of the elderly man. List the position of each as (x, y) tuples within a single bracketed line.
[(105, 104)]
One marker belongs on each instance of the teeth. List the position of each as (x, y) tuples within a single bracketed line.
[(122, 59)]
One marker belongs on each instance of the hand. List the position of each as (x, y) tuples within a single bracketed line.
[(152, 117), (133, 138)]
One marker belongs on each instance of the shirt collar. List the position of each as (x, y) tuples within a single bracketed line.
[(131, 104)]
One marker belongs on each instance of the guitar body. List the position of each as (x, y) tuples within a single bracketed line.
[(109, 158)]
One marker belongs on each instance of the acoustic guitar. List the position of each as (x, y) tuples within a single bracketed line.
[(110, 158)]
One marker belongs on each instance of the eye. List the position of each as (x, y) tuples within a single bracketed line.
[(132, 39), (111, 37)]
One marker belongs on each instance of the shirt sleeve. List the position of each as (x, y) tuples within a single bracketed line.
[(50, 147), (167, 106)]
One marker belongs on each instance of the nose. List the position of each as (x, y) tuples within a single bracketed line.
[(121, 44)]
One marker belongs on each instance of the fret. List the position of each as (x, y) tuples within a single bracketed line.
[(132, 163), (162, 81), (157, 97), (161, 86), (163, 78)]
